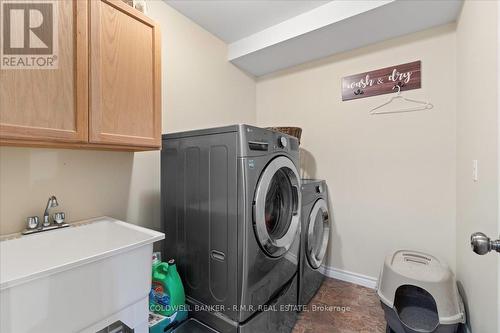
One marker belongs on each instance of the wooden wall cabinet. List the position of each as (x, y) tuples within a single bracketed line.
[(106, 92), (51, 104), (124, 76)]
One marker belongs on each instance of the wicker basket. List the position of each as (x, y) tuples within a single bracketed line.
[(293, 131)]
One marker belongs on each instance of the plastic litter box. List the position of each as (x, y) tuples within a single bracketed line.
[(419, 294)]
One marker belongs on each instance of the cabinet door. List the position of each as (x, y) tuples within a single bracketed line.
[(51, 105), (125, 100)]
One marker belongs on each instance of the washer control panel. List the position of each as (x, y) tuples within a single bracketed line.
[(258, 141)]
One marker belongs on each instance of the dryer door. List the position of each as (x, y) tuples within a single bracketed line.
[(318, 232), (277, 206)]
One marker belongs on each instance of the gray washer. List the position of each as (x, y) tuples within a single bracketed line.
[(231, 207), (314, 238)]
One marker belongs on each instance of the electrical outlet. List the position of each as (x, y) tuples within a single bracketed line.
[(474, 170)]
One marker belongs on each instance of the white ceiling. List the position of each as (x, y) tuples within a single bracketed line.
[(231, 20), (264, 36)]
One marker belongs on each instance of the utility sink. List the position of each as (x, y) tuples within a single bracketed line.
[(77, 279)]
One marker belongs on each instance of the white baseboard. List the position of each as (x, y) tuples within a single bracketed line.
[(359, 279)]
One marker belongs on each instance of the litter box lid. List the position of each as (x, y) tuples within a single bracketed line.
[(406, 267)]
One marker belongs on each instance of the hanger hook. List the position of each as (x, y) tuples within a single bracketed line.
[(397, 86)]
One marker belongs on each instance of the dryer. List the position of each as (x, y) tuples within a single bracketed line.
[(314, 238), (231, 208)]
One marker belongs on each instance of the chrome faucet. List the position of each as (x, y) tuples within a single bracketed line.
[(34, 225), (51, 203)]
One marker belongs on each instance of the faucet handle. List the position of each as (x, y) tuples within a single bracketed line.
[(32, 222), (59, 218)]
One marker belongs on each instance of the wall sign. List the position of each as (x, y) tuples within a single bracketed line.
[(382, 81)]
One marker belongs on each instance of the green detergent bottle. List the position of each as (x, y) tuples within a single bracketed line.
[(167, 293)]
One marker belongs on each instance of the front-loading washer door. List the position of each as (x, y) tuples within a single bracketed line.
[(318, 232), (277, 206)]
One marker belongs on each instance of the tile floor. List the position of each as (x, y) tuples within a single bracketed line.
[(342, 307)]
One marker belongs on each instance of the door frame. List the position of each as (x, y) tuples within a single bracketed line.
[(498, 159)]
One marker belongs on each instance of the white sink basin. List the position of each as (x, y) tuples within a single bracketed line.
[(77, 279)]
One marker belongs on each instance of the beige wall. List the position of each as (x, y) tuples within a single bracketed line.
[(477, 133), (391, 177), (200, 89)]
